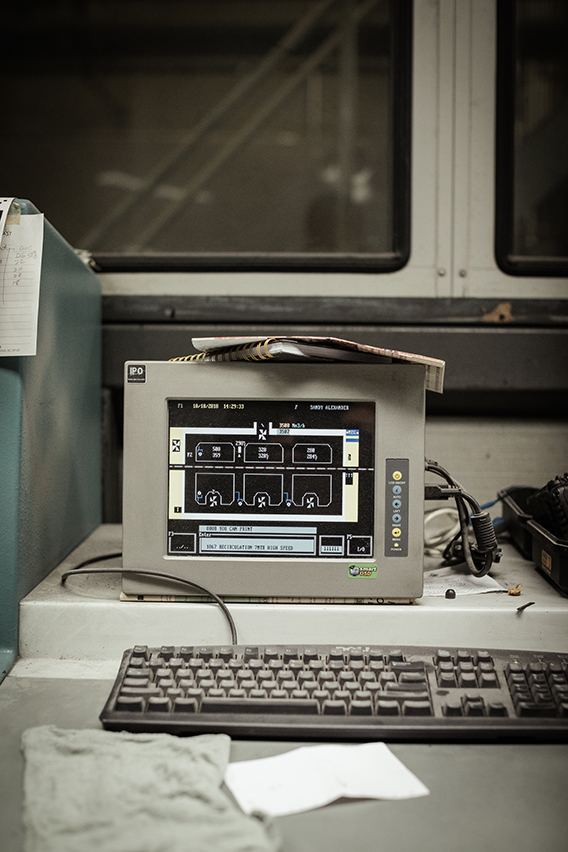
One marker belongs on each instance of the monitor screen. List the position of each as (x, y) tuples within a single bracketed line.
[(271, 478)]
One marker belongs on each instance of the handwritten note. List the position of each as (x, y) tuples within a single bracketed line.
[(21, 245)]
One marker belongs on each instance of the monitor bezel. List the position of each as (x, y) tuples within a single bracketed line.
[(397, 390)]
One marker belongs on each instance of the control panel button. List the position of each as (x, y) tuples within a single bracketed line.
[(397, 496)]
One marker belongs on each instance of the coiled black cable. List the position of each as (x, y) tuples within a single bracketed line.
[(480, 560)]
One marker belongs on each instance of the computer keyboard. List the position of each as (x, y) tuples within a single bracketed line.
[(342, 693)]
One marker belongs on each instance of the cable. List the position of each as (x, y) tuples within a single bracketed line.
[(149, 573), (480, 557), (435, 542), (96, 559)]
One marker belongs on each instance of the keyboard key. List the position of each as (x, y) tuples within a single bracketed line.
[(195, 692), (361, 708), (321, 695), (412, 678), (288, 706), (174, 692), (225, 653), (542, 711), (271, 654), (334, 707), (376, 655), (399, 693), (290, 654), (416, 708), (130, 703), (238, 693), (453, 708), (407, 666), (142, 682), (447, 680), (279, 694), (142, 691), (300, 694), (185, 705), (474, 708), (488, 680), (141, 651), (337, 654), (258, 693), (158, 704), (342, 695), (467, 680), (497, 708), (362, 695), (387, 708)]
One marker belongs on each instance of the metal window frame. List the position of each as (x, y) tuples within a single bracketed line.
[(395, 259), (505, 157)]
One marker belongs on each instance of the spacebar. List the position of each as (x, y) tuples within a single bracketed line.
[(288, 706)]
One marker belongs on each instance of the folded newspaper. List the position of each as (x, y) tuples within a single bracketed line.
[(299, 348)]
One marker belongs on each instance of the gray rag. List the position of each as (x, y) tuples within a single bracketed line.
[(100, 791)]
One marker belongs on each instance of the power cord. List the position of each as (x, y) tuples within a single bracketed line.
[(79, 569), (479, 557), (446, 526)]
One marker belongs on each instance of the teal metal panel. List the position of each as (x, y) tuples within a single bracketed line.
[(10, 431), (50, 430)]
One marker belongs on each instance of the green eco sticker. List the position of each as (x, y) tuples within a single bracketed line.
[(361, 570)]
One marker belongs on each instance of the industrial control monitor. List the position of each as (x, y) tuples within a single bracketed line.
[(275, 481)]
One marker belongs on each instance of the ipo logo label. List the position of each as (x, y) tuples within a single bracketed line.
[(136, 373)]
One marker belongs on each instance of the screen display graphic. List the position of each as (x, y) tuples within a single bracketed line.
[(271, 478)]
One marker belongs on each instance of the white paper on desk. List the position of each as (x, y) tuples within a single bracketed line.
[(310, 777), (21, 246), (436, 583)]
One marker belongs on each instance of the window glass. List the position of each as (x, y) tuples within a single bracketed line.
[(532, 149), (272, 130)]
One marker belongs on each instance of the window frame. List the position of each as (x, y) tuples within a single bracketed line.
[(507, 261), (401, 82)]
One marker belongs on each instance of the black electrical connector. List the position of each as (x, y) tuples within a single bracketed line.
[(479, 557)]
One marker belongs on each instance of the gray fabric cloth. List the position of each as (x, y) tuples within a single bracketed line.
[(100, 791)]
